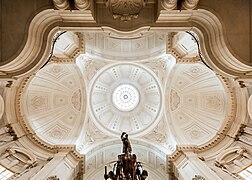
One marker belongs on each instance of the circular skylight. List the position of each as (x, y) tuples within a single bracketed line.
[(125, 97)]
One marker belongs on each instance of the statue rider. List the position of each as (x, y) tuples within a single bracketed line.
[(126, 143)]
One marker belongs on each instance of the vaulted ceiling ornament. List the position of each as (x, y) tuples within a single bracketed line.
[(125, 9)]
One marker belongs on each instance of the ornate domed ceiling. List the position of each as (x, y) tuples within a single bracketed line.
[(196, 105), (54, 103), (129, 83), (125, 97)]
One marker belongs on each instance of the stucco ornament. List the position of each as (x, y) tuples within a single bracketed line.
[(125, 9)]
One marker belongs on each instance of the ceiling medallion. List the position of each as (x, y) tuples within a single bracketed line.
[(125, 9)]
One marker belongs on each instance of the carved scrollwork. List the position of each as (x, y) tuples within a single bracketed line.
[(169, 4), (61, 4), (190, 4), (82, 4), (125, 9)]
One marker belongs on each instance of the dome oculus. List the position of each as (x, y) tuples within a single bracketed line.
[(125, 97)]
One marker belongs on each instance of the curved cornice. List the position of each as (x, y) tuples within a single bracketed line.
[(230, 118), (38, 44), (2, 106), (203, 22), (213, 42)]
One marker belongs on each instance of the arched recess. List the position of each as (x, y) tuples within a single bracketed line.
[(203, 22), (152, 158)]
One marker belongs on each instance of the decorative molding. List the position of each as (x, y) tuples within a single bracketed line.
[(141, 44), (207, 25), (55, 59), (76, 99), (91, 67), (182, 46), (203, 22), (43, 25), (159, 67), (191, 60), (174, 100), (125, 10), (68, 51), (169, 45)]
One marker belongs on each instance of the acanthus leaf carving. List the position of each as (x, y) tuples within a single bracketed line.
[(76, 99), (159, 67), (174, 100)]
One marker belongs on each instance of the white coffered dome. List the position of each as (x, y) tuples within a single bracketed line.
[(125, 97), (54, 103)]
